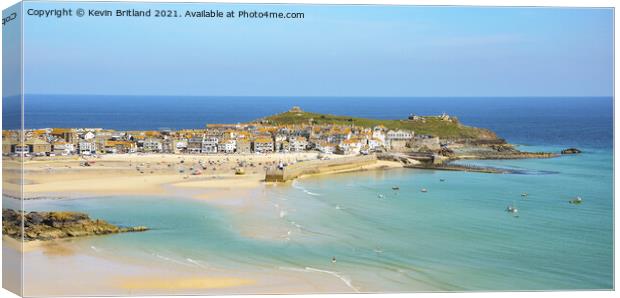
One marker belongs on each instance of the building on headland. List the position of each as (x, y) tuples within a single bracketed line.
[(414, 117), (296, 109), (398, 140), (378, 134)]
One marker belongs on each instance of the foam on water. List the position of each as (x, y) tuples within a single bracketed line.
[(343, 278), (296, 185)]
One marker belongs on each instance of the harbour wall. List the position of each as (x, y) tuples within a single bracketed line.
[(318, 167)]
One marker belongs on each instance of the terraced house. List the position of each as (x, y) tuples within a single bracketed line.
[(223, 139)]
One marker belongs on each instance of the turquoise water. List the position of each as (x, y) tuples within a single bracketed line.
[(456, 236)]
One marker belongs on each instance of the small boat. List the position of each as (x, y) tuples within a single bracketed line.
[(395, 188), (576, 201), (424, 190), (442, 180), (512, 208), (524, 194), (380, 196)]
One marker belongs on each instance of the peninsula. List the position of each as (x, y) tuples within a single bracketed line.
[(61, 162)]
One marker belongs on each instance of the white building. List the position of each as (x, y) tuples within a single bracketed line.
[(399, 135), (179, 146), (87, 147), (326, 147), (350, 147), (375, 144), (209, 145), (263, 145), (378, 133), (63, 148), (152, 145), (227, 146), (89, 136), (298, 144)]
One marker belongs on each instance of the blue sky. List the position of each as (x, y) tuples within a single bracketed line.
[(333, 51)]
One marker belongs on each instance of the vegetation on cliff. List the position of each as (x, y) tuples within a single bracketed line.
[(56, 224), (445, 128)]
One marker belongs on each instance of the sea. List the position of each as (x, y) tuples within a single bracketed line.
[(457, 236)]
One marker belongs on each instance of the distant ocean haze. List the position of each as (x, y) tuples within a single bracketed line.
[(574, 121)]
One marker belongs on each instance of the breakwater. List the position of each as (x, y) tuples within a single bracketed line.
[(318, 167), (461, 167)]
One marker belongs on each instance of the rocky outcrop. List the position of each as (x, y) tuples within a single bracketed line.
[(445, 151), (503, 148), (506, 155), (56, 224), (571, 151), (394, 157)]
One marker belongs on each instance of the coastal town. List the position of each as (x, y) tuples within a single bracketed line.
[(250, 138)]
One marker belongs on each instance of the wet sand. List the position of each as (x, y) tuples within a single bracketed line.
[(101, 274), (78, 269)]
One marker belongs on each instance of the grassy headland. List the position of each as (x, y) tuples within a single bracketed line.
[(449, 129)]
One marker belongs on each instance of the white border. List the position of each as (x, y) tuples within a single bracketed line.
[(552, 3)]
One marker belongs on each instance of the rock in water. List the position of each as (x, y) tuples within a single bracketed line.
[(57, 224), (570, 151)]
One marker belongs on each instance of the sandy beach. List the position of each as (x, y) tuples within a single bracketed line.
[(148, 174), (118, 275), (161, 175)]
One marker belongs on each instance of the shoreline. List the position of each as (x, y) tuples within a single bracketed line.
[(187, 280), (153, 175), (223, 190), (220, 188), (103, 273)]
